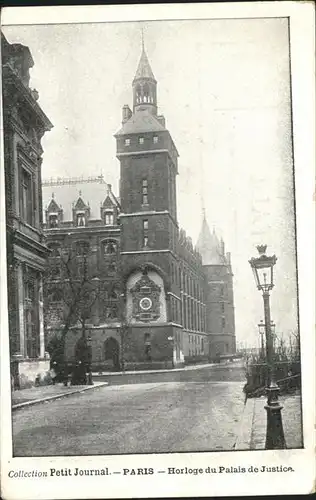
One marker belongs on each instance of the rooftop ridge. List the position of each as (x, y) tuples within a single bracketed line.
[(59, 181)]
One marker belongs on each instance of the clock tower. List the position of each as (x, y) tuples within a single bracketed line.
[(149, 228)]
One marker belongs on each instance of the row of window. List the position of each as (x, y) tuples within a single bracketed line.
[(82, 248), (141, 140), (196, 339), (81, 219)]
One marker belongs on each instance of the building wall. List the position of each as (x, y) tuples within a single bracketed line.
[(220, 309), (24, 125)]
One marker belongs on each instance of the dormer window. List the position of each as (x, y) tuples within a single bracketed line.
[(127, 142), (155, 139), (81, 220), (109, 218), (141, 140), (52, 221)]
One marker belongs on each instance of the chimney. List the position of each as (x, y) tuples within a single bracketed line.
[(161, 120), (126, 113)]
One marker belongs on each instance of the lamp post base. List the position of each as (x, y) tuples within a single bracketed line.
[(275, 439)]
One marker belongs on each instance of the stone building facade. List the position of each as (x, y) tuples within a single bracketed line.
[(166, 297), (24, 126)]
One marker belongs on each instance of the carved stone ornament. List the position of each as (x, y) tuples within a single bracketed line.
[(145, 295)]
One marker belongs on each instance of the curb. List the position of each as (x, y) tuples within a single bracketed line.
[(243, 441), (25, 404), (163, 370)]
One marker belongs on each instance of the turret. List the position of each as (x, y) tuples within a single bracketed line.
[(144, 86)]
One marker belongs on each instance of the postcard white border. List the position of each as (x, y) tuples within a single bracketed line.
[(302, 41)]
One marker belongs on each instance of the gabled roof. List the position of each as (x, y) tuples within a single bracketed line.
[(141, 121), (144, 70), (53, 206), (209, 246), (80, 204), (108, 203)]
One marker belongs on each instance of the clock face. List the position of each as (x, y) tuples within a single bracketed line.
[(145, 303)]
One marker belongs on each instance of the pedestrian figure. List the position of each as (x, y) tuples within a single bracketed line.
[(53, 373)]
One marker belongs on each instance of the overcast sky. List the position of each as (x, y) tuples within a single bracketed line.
[(224, 89)]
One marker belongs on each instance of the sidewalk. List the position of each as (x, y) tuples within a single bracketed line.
[(165, 370), (26, 397), (252, 433)]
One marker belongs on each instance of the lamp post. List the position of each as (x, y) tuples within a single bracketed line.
[(262, 267), (262, 329)]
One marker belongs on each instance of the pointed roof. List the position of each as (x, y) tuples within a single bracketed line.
[(144, 70), (80, 204), (108, 202), (53, 206), (209, 246)]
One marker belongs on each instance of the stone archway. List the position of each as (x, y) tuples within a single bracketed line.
[(112, 352)]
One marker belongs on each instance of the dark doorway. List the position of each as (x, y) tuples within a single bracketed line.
[(112, 352)]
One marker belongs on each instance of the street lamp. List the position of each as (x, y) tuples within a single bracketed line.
[(262, 267)]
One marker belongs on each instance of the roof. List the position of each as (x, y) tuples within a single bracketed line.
[(141, 121), (209, 247), (68, 192), (144, 70)]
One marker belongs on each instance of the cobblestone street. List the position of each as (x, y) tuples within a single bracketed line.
[(139, 418)]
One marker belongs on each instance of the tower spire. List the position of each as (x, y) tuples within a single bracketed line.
[(144, 84), (143, 44)]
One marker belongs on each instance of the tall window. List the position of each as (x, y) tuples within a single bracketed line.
[(53, 221), (145, 232), (145, 192), (222, 307), (141, 140), (223, 323), (127, 142), (27, 201), (81, 221), (155, 139), (109, 218)]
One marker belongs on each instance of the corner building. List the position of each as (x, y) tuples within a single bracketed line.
[(24, 125), (167, 303)]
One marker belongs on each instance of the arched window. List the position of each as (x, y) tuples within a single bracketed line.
[(109, 248), (146, 93), (138, 94)]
